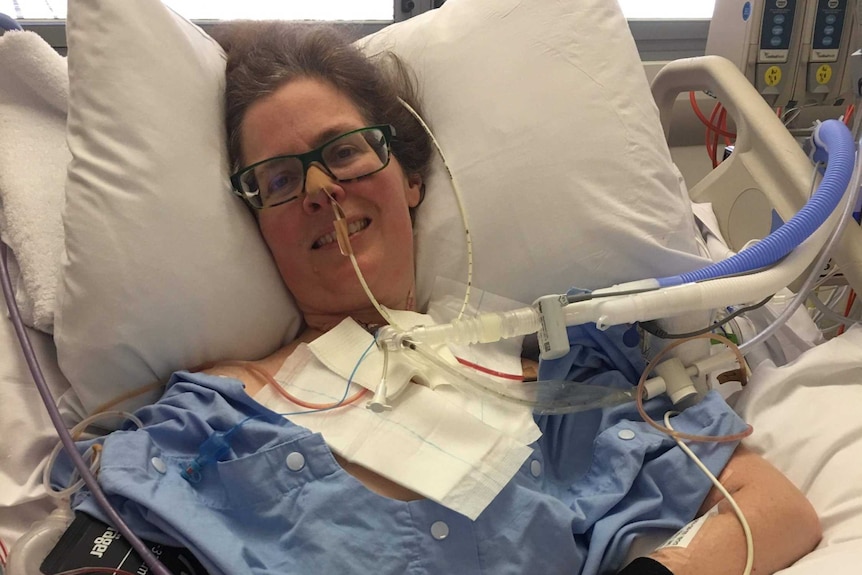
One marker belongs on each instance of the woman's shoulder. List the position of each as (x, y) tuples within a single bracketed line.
[(240, 370), (256, 374)]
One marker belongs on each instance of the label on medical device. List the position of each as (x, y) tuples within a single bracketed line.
[(89, 543), (686, 535)]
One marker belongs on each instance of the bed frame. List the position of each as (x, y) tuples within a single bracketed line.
[(767, 169)]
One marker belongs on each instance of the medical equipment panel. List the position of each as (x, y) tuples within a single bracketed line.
[(827, 41), (762, 38)]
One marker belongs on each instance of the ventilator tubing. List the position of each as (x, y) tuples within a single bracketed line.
[(712, 294), (845, 219), (831, 138)]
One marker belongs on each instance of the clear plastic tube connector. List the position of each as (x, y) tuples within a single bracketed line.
[(484, 328)]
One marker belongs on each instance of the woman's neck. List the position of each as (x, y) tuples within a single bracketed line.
[(368, 317), (321, 323)]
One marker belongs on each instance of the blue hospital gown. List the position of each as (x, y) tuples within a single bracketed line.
[(279, 503)]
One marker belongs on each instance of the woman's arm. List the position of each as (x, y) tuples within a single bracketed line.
[(783, 523)]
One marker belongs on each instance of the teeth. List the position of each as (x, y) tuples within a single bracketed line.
[(331, 237), (356, 226), (327, 239)]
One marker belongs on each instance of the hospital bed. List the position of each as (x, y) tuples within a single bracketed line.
[(94, 328)]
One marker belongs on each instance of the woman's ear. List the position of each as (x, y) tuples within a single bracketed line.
[(415, 190)]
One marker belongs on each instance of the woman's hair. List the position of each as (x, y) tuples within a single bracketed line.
[(263, 56)]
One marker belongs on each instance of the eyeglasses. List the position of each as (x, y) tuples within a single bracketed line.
[(347, 157)]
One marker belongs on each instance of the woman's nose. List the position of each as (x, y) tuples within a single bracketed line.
[(319, 187)]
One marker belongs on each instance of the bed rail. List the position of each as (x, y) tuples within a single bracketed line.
[(767, 170)]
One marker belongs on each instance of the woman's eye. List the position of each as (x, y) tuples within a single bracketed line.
[(281, 184), (343, 153)]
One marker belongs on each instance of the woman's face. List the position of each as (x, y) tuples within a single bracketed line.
[(298, 117)]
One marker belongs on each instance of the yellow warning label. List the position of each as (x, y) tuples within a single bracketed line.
[(772, 76), (824, 74)]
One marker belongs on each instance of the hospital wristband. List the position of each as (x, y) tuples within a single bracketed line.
[(645, 566)]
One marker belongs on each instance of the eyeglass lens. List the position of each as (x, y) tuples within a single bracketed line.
[(350, 156)]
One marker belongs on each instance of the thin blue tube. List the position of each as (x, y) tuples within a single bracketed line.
[(833, 140)]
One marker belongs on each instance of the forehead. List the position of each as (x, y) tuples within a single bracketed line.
[(299, 116)]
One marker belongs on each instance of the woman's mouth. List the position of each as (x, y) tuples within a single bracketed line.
[(329, 238)]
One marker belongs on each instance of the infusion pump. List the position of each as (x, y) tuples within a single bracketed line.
[(795, 52)]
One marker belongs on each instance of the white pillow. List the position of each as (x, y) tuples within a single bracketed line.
[(542, 109), (545, 116), (164, 269)]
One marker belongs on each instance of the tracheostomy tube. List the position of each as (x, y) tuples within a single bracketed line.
[(483, 328)]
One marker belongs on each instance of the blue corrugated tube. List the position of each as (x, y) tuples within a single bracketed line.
[(833, 141)]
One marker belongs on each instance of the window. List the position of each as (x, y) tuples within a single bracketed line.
[(33, 9), (669, 29), (333, 9), (667, 9), (663, 29), (227, 9)]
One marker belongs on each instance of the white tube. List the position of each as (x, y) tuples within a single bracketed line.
[(484, 328), (607, 311), (711, 294), (647, 284), (845, 217), (828, 312)]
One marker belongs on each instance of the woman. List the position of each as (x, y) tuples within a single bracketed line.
[(302, 106)]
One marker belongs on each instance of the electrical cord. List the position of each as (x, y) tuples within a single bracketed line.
[(652, 328), (851, 299)]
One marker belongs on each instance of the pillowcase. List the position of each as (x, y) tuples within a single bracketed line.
[(542, 109), (163, 269), (26, 434), (545, 117)]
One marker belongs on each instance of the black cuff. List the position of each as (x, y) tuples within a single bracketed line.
[(645, 566)]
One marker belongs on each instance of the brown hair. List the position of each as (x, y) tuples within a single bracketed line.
[(263, 56)]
